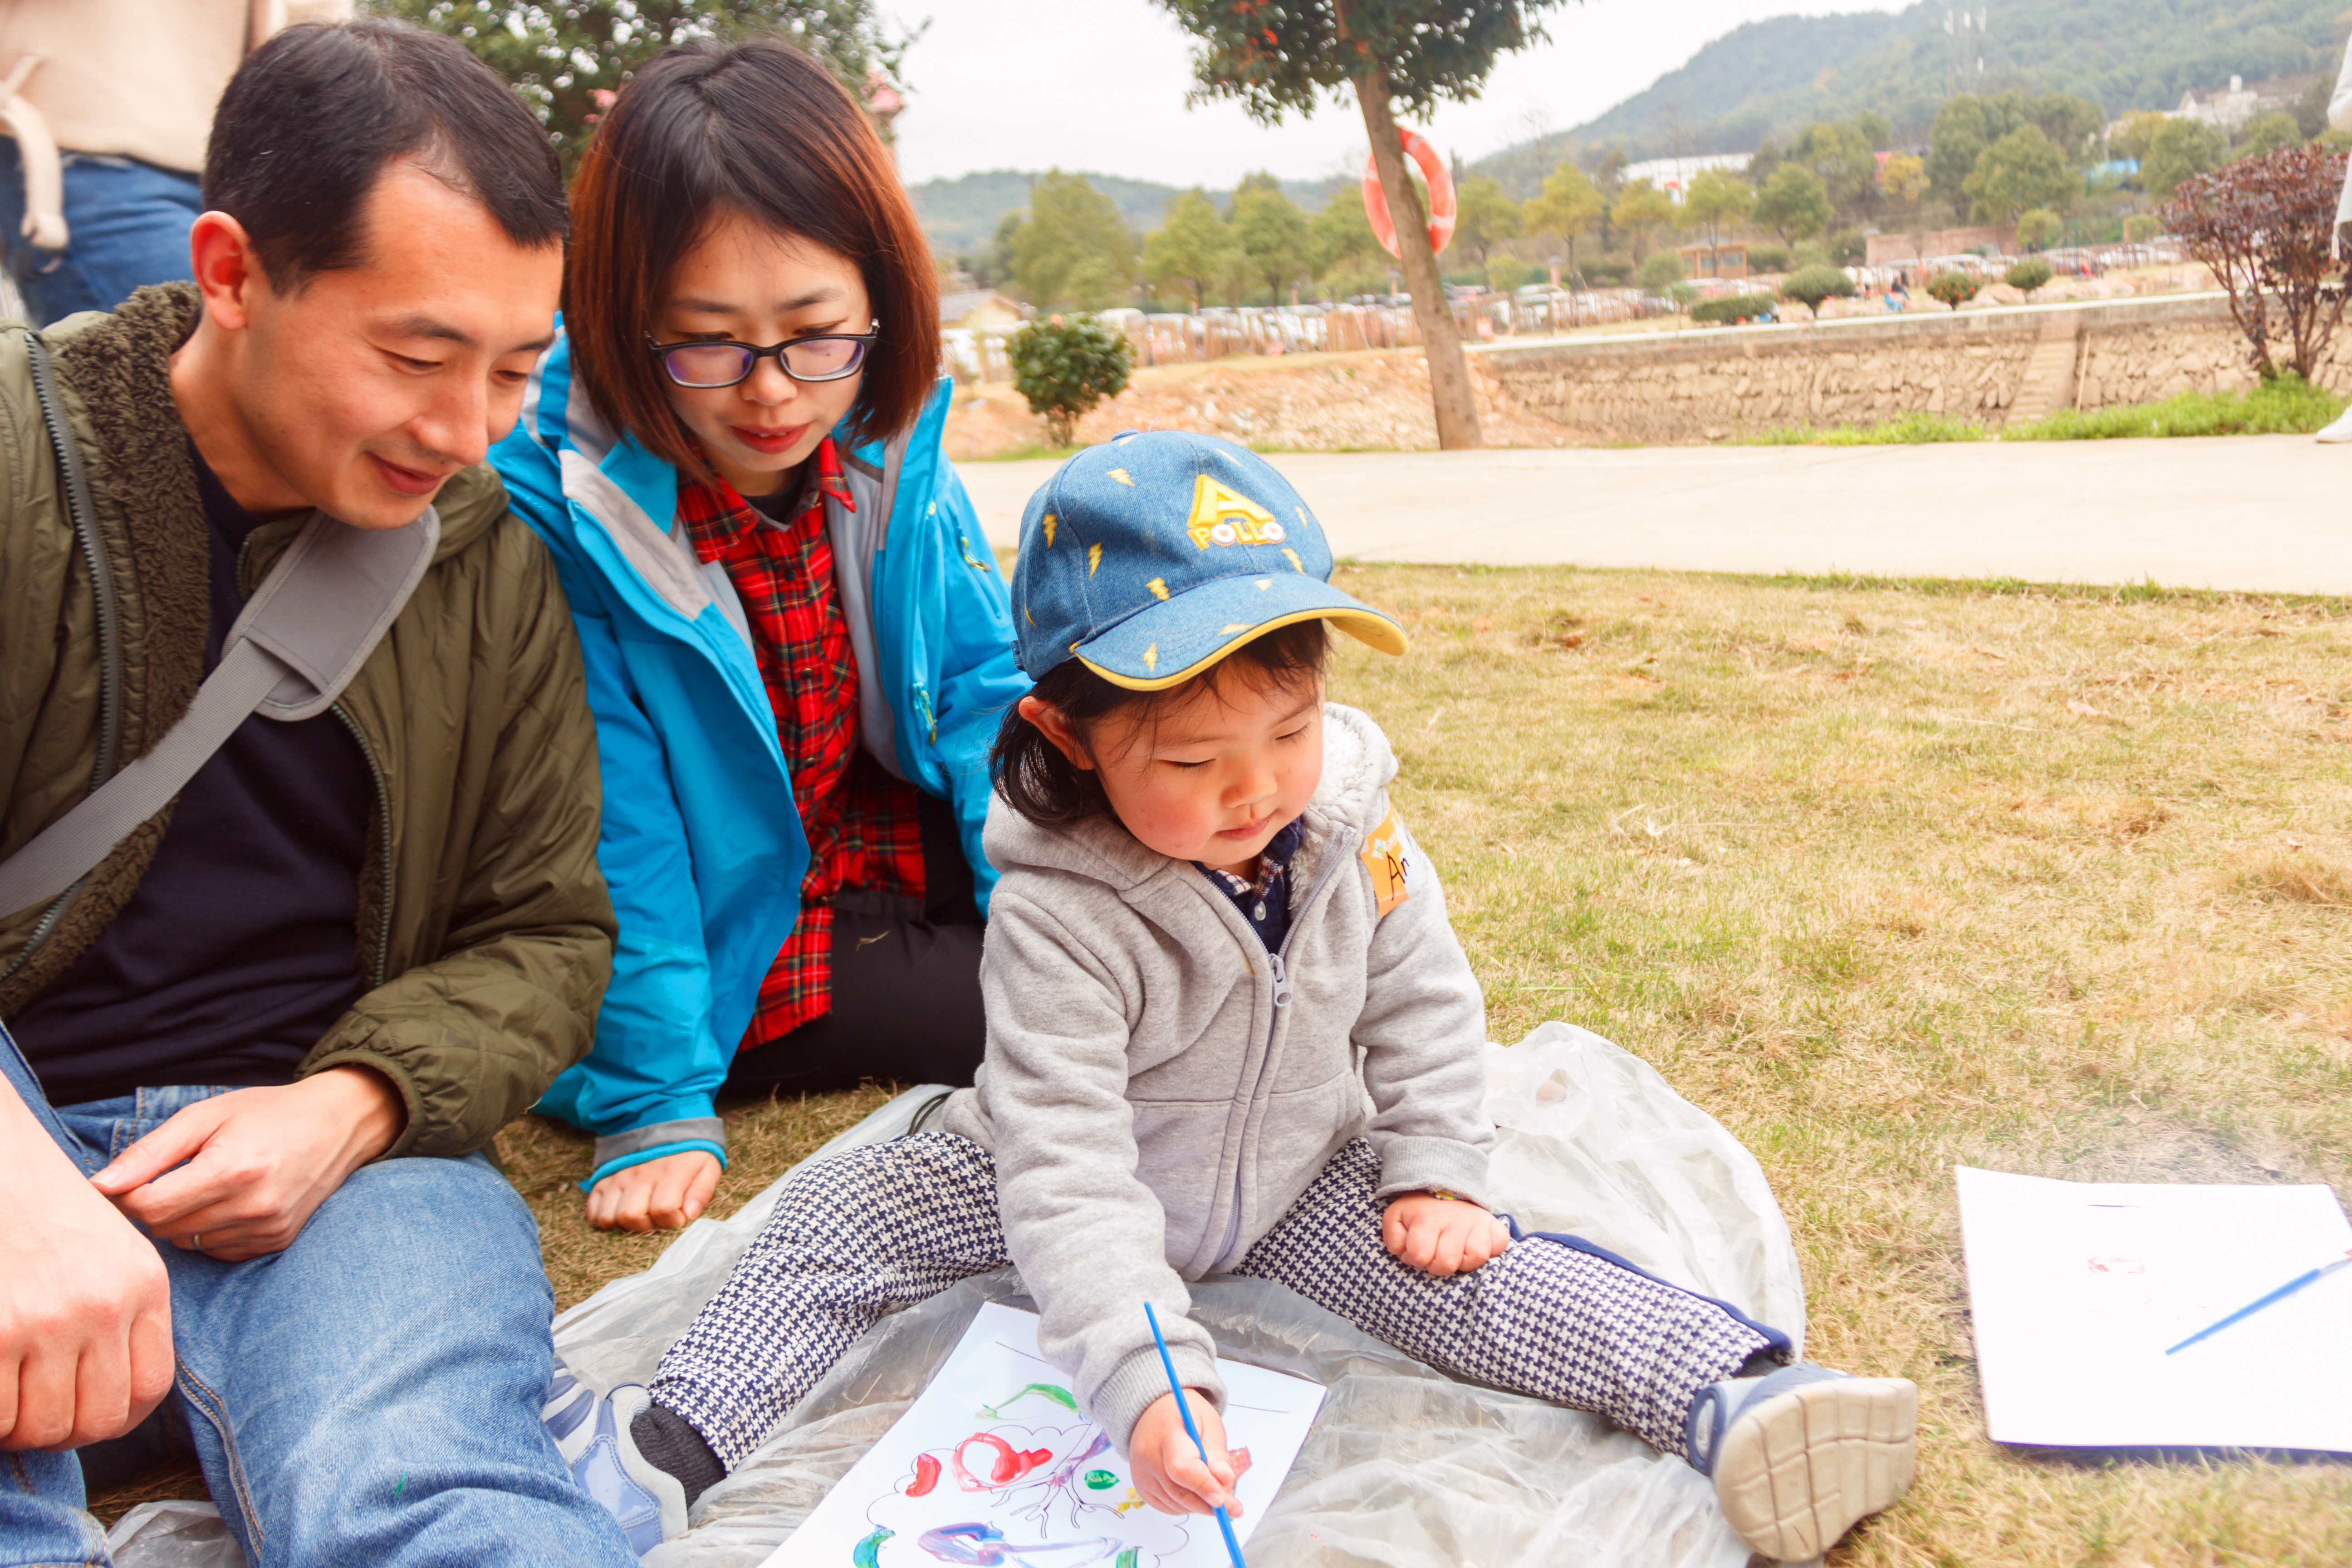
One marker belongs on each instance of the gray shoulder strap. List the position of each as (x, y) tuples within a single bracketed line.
[(301, 638)]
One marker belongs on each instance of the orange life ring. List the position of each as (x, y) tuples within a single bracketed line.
[(1441, 194)]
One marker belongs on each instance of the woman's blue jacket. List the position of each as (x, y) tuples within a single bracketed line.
[(702, 843)]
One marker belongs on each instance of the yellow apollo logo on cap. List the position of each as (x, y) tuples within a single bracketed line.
[(1222, 515), (1049, 531), (1151, 656), (1121, 476), (1295, 564), (1158, 586), (1094, 558)]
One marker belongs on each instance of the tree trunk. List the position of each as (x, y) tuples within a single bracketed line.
[(1449, 372)]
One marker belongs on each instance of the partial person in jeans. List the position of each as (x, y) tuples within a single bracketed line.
[(2339, 118), (742, 411), (103, 136), (259, 1050)]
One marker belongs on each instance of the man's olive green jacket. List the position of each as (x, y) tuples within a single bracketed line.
[(485, 933)]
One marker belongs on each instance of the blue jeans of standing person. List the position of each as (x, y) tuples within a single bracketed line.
[(369, 1396), (127, 225)]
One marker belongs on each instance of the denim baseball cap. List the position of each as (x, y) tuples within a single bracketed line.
[(1153, 556)]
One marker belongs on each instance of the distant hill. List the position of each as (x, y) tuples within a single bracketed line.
[(1772, 78), (961, 214)]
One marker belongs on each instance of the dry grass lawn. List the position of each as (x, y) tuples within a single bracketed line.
[(1888, 878)]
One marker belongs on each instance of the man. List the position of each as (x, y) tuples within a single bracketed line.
[(263, 1043), (101, 139), (2339, 118)]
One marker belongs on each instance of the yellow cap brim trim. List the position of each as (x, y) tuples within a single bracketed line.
[(1376, 630)]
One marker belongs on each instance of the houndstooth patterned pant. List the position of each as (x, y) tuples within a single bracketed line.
[(894, 1224)]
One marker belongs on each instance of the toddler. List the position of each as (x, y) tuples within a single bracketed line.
[(1230, 1030)]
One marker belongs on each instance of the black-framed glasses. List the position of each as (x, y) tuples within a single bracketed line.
[(708, 363)]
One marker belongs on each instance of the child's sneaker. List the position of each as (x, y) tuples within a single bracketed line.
[(1800, 1454), (593, 1436)]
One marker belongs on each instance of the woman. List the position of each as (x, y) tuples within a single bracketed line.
[(793, 720)]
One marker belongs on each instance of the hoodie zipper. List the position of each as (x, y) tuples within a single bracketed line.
[(1277, 961), (109, 629)]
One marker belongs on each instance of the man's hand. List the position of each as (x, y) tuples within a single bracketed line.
[(1168, 1468), (660, 1194), (85, 1306), (1442, 1236), (244, 1170)]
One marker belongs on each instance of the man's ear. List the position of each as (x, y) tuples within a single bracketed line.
[(1056, 727), (226, 269)]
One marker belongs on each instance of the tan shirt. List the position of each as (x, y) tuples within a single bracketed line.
[(140, 77)]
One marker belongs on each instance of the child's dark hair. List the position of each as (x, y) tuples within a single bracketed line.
[(1041, 784)]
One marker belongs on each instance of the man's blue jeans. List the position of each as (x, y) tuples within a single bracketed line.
[(127, 225), (370, 1395)]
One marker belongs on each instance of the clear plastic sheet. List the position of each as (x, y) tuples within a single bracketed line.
[(1406, 1467), (173, 1534)]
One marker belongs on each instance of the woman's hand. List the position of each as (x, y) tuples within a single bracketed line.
[(660, 1194), (1167, 1467), (1442, 1236)]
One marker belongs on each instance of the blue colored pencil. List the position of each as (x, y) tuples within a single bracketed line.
[(1184, 1409), (2284, 1291)]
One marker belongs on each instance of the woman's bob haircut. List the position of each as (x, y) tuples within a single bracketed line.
[(756, 127)]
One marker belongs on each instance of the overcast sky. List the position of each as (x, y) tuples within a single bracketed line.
[(1100, 85)]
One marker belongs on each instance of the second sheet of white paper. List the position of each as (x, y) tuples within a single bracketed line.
[(2077, 1289)]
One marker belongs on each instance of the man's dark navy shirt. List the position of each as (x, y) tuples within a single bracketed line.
[(239, 948)]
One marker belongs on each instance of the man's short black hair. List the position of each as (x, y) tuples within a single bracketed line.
[(312, 117)]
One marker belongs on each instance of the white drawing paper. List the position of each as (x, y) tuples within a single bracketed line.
[(2077, 1289), (993, 1466)]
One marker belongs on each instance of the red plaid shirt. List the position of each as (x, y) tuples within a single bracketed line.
[(861, 823)]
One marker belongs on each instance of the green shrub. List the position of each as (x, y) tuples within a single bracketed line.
[(1954, 288), (1907, 430), (2037, 226), (1065, 367), (1505, 273), (2285, 407), (1809, 286), (1730, 309), (1606, 273), (2141, 227), (1767, 259), (1660, 272), (2028, 273)]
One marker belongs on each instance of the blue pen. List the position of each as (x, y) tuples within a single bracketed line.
[(1184, 1409), (2289, 1289)]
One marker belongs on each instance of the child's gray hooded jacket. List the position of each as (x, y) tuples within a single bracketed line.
[(1159, 1091)]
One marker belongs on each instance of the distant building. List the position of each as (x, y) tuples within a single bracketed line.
[(2230, 109), (1728, 259), (1673, 176), (981, 308)]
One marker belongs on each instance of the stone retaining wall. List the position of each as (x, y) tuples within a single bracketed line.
[(1707, 385)]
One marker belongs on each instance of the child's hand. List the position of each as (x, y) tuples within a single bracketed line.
[(1442, 1236), (1168, 1468)]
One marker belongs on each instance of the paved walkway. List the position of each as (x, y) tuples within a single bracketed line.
[(2270, 513)]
